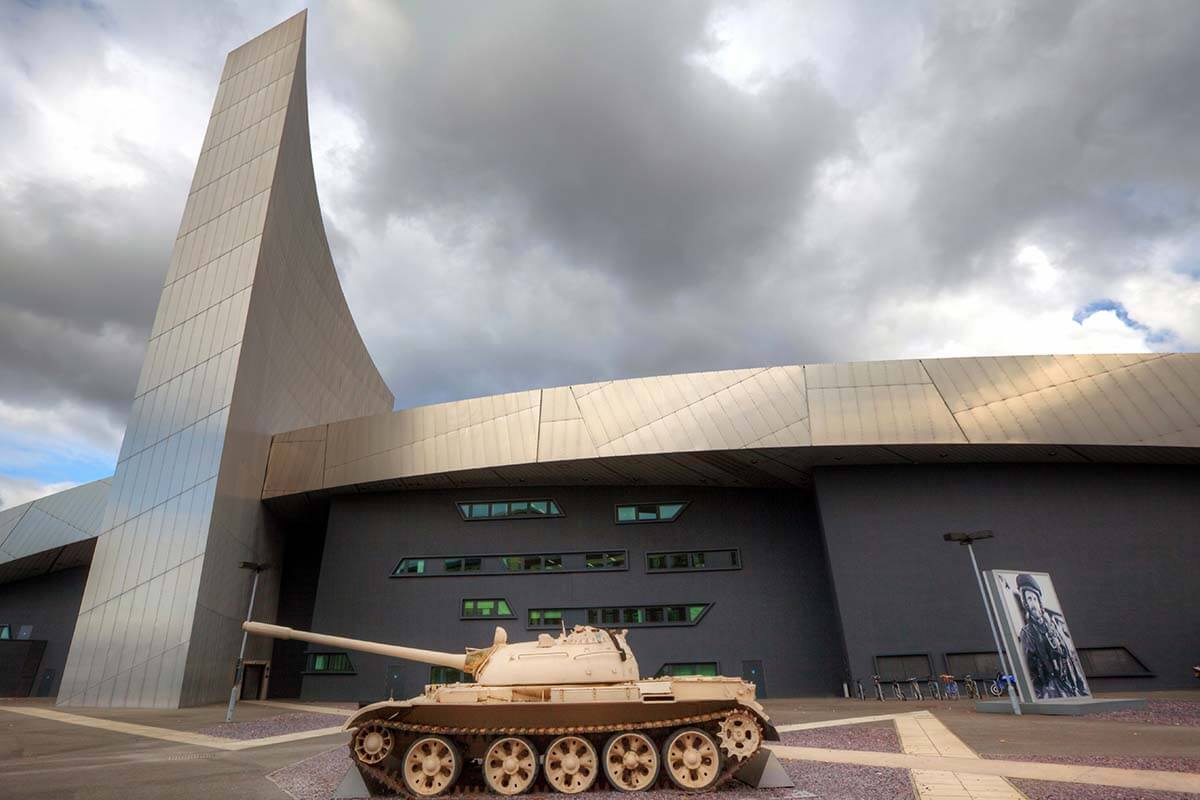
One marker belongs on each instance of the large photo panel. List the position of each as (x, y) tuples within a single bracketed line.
[(1037, 636)]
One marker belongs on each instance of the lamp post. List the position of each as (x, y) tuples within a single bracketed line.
[(967, 539), (240, 670)]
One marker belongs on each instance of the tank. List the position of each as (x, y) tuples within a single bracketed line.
[(561, 713)]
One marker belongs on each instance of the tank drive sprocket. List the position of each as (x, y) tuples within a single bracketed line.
[(740, 735)]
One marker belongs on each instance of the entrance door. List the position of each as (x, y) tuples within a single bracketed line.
[(395, 681), (753, 671), (252, 678)]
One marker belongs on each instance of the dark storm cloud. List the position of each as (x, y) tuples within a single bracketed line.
[(584, 127), (524, 194), (1073, 119)]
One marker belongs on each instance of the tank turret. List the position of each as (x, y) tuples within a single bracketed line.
[(582, 655), (560, 712)]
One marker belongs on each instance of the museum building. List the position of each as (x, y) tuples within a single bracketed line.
[(781, 523)]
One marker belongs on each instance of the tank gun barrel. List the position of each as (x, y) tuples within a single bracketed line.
[(453, 660)]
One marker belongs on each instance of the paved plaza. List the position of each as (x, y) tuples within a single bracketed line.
[(832, 748)]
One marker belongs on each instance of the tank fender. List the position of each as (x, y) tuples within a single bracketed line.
[(385, 709), (769, 733)]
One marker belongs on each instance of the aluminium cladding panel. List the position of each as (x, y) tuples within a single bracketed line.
[(252, 337), (1121, 542), (778, 608)]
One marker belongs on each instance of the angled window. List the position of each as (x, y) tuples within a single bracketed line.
[(1111, 662), (5, 632), (448, 675), (505, 563), (509, 509), (329, 664), (649, 512), (682, 669), (410, 566), (611, 560), (694, 560), (486, 608), (647, 615), (545, 617)]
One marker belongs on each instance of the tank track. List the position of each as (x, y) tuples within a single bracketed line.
[(390, 779)]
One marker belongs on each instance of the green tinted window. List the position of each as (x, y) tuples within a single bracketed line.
[(513, 563), (633, 616), (545, 617), (448, 675), (5, 632), (508, 509), (707, 668), (410, 566), (486, 607), (552, 562), (329, 662), (694, 612), (649, 512), (693, 559)]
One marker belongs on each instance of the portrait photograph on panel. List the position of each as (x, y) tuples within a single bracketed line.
[(1037, 635)]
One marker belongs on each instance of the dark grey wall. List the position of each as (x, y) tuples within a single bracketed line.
[(778, 608), (50, 603), (1121, 542)]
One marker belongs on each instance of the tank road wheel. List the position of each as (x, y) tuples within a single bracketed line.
[(372, 744), (431, 765), (740, 735), (692, 758), (630, 761), (571, 764), (510, 765)]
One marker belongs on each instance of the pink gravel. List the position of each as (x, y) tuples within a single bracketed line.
[(874, 738), (1162, 763), (1048, 790), (1159, 712), (271, 726)]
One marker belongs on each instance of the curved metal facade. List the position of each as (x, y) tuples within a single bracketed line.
[(765, 426), (252, 337)]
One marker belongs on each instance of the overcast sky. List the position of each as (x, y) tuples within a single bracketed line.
[(527, 194)]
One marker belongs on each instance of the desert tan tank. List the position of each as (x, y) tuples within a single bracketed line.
[(563, 709)]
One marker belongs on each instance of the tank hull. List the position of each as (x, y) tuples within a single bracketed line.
[(653, 702)]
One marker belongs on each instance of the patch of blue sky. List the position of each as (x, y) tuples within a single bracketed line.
[(22, 458), (1153, 337)]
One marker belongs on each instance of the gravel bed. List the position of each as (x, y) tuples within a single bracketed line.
[(316, 777), (270, 726), (1164, 763), (875, 738), (1048, 790), (1158, 712)]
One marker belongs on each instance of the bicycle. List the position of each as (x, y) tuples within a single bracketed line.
[(915, 686), (878, 687), (1001, 684), (859, 689), (951, 687), (971, 687), (935, 689), (897, 691)]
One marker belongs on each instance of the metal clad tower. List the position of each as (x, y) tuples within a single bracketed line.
[(252, 337)]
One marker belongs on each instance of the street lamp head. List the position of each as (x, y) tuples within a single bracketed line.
[(966, 538), (255, 566)]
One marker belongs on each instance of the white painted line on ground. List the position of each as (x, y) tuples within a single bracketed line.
[(167, 734), (835, 723), (1065, 773)]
